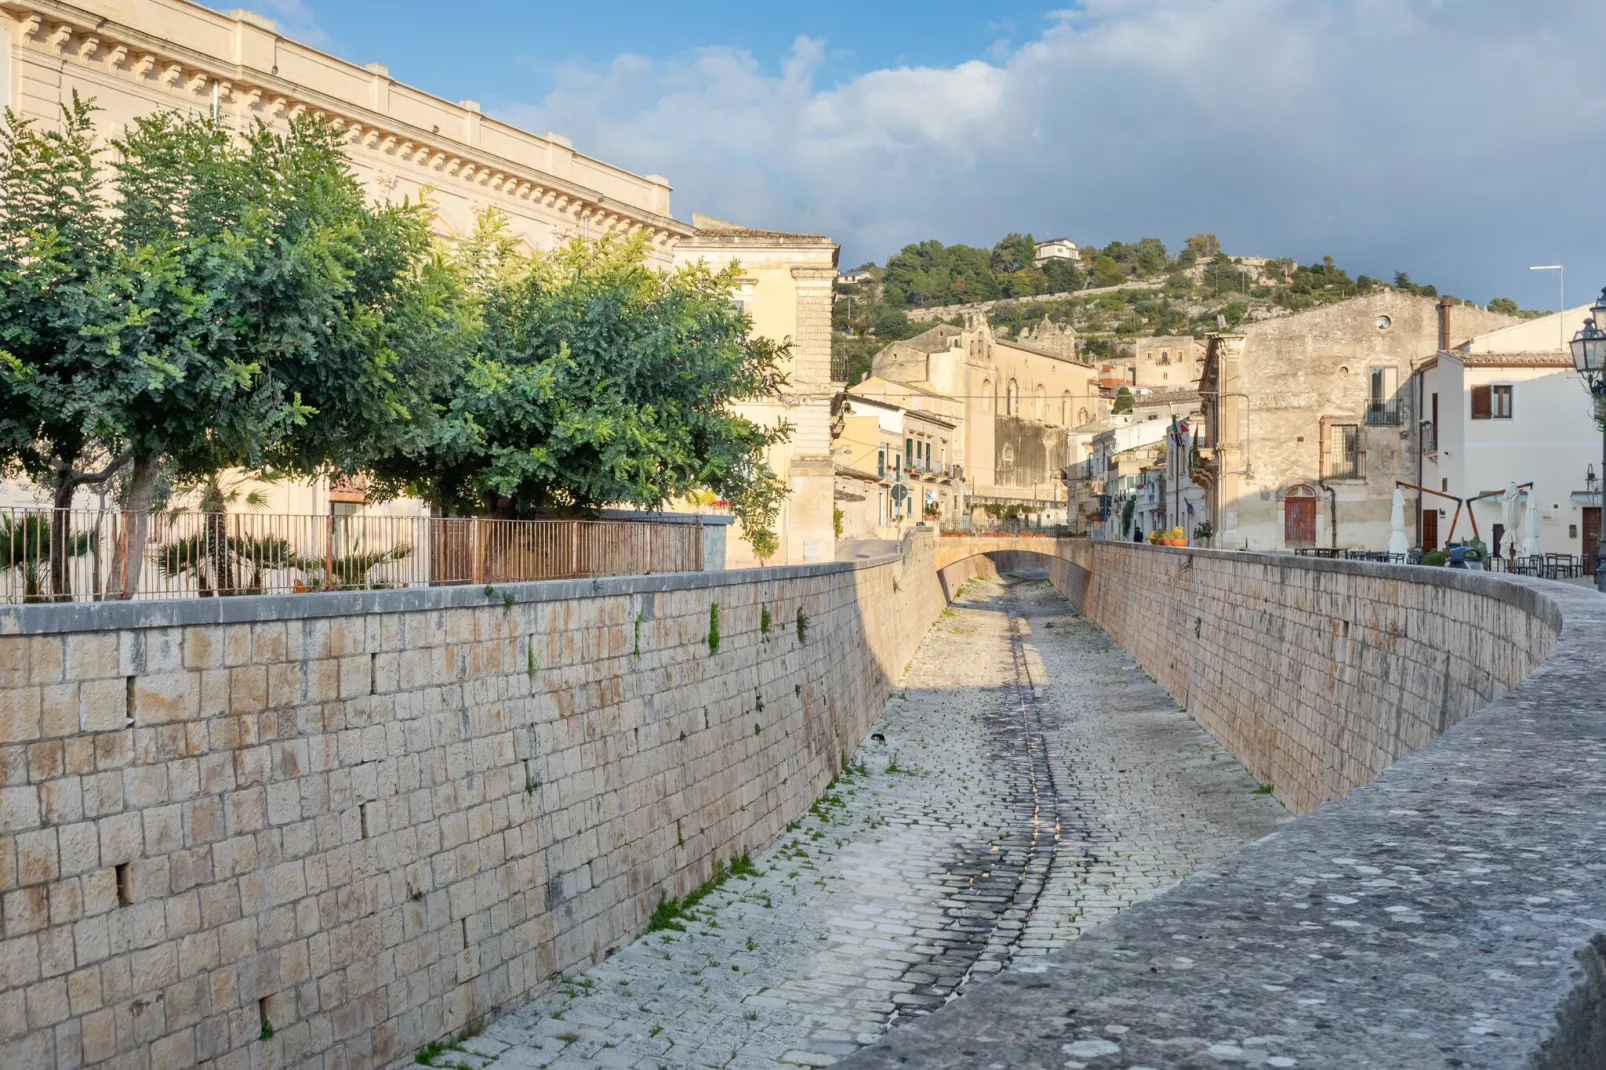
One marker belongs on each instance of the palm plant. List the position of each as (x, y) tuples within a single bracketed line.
[(263, 553), (349, 571), (186, 556), (25, 549)]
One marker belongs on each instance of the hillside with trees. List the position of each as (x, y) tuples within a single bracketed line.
[(1120, 290)]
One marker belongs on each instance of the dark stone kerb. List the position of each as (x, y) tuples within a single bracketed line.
[(178, 612), (1439, 917)]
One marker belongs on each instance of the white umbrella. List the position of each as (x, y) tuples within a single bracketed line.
[(1398, 543), (1530, 528), (1510, 510)]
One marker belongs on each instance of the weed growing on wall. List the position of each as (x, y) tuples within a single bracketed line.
[(530, 658), (764, 621), (672, 913), (636, 653), (802, 625), (713, 628)]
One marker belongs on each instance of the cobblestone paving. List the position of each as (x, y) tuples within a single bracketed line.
[(1028, 782)]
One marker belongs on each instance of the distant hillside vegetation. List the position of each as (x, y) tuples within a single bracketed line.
[(1140, 289)]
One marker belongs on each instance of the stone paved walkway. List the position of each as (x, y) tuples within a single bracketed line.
[(1027, 783)]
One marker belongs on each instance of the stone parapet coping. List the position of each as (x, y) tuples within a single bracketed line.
[(1447, 914), (58, 618)]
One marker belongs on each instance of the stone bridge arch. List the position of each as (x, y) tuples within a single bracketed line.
[(962, 557)]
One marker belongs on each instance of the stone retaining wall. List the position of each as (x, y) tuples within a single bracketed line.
[(371, 819), (1445, 910), (1317, 676)]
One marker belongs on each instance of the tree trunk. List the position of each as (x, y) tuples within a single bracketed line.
[(61, 537), (217, 538), (129, 557)]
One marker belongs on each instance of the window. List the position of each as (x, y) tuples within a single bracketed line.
[(908, 453), (1065, 408), (1040, 403), (1482, 404), (1343, 456), (1165, 358), (987, 395), (1500, 402), (1081, 417), (1012, 398), (1383, 407), (881, 461), (928, 456)]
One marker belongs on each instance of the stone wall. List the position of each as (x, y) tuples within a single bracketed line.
[(1314, 674), (370, 819), (1444, 912)]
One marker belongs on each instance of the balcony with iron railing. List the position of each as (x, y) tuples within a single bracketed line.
[(1389, 413)]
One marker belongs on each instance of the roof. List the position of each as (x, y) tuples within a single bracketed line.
[(938, 339), (1165, 397), (1051, 241), (857, 473), (709, 227), (891, 387), (1042, 352), (1514, 360)]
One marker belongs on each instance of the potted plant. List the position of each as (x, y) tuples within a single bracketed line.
[(1175, 537)]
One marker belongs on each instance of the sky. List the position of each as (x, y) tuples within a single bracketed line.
[(1460, 141)]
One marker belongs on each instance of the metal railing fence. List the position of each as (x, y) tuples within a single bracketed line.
[(83, 555)]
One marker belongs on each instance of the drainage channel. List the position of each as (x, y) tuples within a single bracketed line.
[(994, 887)]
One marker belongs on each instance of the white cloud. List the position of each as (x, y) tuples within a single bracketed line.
[(295, 20), (1446, 137)]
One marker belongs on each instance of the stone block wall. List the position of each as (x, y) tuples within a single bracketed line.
[(1317, 675), (369, 819)]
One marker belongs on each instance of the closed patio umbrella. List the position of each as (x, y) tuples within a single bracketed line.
[(1398, 543), (1510, 512)]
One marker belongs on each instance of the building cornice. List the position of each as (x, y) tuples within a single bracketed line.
[(66, 32)]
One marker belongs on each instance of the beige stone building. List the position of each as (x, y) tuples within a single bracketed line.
[(1308, 422), (134, 57), (1020, 397), (786, 289), (1173, 362), (878, 444)]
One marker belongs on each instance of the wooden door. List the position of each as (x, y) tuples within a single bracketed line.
[(1430, 529), (1590, 542), (1299, 519)]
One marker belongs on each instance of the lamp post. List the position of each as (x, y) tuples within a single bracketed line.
[(1589, 358)]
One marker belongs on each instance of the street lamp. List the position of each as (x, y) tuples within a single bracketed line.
[(1589, 358)]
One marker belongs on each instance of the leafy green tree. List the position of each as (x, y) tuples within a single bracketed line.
[(59, 302), (1222, 275), (1123, 401), (595, 379), (892, 324), (1015, 252), (1203, 246), (207, 300), (1062, 276), (1106, 272), (1504, 304), (1235, 312), (1149, 256)]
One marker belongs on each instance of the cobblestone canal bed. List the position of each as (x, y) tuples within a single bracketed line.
[(1025, 783)]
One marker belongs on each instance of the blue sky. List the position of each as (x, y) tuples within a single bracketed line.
[(1458, 140)]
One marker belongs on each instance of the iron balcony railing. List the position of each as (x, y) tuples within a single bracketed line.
[(84, 555), (1389, 413)]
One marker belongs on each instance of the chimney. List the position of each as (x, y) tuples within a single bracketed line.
[(1445, 304)]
